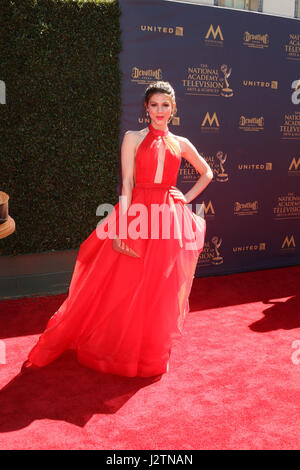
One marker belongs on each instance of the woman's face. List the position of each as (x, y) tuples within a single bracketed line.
[(160, 108)]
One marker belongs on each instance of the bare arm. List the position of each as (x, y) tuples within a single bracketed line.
[(190, 153), (127, 163)]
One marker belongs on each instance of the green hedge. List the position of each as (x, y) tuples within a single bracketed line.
[(61, 122)]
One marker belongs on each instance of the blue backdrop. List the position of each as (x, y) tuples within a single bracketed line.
[(237, 81)]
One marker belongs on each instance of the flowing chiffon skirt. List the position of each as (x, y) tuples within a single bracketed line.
[(123, 313)]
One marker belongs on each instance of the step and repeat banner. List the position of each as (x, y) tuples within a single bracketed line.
[(236, 77)]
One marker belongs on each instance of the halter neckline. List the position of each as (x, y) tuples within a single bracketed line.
[(157, 131)]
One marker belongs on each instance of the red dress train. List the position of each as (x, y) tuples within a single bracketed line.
[(123, 312)]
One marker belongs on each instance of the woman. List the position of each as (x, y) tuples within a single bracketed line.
[(129, 291)]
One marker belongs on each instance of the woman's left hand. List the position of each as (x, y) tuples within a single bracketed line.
[(177, 194)]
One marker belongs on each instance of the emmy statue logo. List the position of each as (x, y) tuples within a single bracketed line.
[(296, 94), (227, 91), (217, 259), (222, 177)]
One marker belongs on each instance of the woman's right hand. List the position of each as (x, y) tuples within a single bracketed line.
[(121, 244)]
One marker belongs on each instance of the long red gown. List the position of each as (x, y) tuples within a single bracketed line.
[(122, 312)]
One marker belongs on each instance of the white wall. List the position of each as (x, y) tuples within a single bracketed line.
[(204, 2), (200, 2), (279, 7), (276, 7)]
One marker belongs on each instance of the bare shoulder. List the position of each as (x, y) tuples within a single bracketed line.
[(182, 141), (135, 136)]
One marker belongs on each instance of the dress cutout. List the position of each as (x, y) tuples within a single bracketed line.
[(160, 161), (123, 313)]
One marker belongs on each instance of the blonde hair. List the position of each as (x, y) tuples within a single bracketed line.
[(166, 88)]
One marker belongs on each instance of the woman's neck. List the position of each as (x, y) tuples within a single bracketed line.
[(159, 129), (164, 129)]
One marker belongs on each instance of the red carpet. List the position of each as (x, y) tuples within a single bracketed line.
[(233, 383)]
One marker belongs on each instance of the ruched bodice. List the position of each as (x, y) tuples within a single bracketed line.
[(153, 154)]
